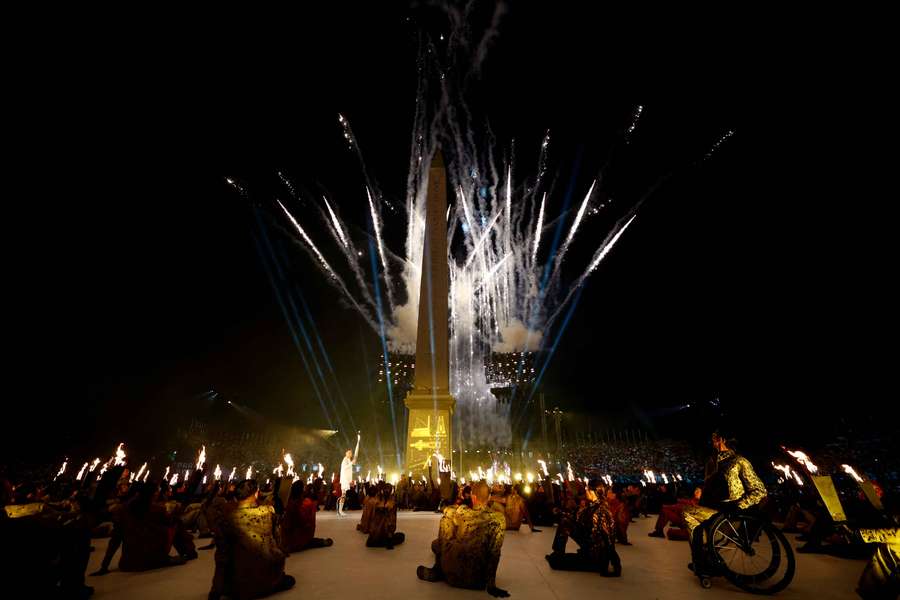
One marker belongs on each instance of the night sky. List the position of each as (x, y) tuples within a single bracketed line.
[(762, 276)]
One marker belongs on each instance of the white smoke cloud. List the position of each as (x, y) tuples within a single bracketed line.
[(515, 337)]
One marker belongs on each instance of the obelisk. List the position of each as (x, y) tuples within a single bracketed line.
[(429, 402)]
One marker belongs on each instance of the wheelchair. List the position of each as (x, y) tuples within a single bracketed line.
[(747, 550)]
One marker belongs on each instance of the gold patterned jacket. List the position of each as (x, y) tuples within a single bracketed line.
[(736, 482), (469, 541), (249, 557)]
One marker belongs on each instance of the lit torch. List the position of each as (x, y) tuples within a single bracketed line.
[(174, 479), (803, 459), (81, 472), (569, 471), (141, 471), (852, 472), (119, 458), (62, 469), (201, 458), (217, 473), (233, 471), (289, 461), (249, 474), (94, 465), (544, 468)]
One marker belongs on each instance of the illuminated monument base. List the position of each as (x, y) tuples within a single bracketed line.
[(429, 430)]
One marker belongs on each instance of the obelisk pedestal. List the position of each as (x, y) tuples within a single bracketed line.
[(430, 404)]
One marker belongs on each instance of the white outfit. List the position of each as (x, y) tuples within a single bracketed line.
[(346, 474)]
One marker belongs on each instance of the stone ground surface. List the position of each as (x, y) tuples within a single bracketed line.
[(652, 569)]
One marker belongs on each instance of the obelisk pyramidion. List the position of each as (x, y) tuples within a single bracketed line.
[(429, 402)]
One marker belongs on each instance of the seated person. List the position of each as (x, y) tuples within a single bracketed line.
[(516, 511), (146, 534), (621, 516), (368, 506), (299, 524), (249, 559), (383, 521), (674, 513), (467, 551), (593, 528), (731, 485)]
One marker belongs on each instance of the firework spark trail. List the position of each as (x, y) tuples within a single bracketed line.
[(332, 274), (571, 236), (537, 230), (599, 255), (335, 223), (308, 241), (376, 225)]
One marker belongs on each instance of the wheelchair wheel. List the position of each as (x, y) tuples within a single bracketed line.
[(751, 553)]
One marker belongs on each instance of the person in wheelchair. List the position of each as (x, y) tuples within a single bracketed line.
[(730, 486)]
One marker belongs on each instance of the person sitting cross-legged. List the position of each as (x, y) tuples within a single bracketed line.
[(467, 551)]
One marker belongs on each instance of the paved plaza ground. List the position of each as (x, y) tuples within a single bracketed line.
[(652, 569)]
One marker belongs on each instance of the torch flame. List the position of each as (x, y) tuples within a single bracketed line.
[(850, 471), (569, 471), (249, 474), (62, 469), (279, 470), (544, 468), (166, 475), (94, 464), (529, 477), (784, 469), (289, 461), (217, 473), (201, 458), (119, 458), (803, 459), (174, 479), (141, 471), (81, 472)]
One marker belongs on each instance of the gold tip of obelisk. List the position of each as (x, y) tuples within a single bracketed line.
[(437, 161)]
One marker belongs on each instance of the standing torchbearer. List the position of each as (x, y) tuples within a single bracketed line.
[(347, 474)]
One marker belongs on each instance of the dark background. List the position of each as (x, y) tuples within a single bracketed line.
[(762, 276)]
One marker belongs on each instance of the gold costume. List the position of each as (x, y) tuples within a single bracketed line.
[(881, 577), (249, 558), (468, 545), (739, 485)]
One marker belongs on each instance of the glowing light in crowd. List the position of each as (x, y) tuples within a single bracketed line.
[(569, 471), (201, 458), (140, 472), (249, 474), (166, 475), (804, 460), (119, 458), (174, 479), (279, 470), (289, 461), (94, 464), (62, 469), (187, 475), (784, 469), (529, 477), (81, 472), (850, 471), (233, 471), (544, 468), (217, 473)]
